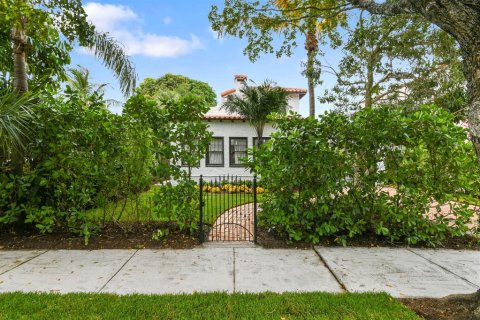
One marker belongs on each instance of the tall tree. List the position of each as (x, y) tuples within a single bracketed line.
[(48, 55), (396, 60), (178, 85), (459, 18), (260, 23), (256, 103), (35, 19)]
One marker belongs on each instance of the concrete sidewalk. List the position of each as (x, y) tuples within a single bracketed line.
[(230, 268)]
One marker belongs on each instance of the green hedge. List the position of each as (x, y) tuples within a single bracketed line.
[(82, 156), (324, 175)]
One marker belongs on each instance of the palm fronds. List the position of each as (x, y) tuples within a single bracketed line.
[(114, 57), (15, 122), (79, 80), (255, 103)]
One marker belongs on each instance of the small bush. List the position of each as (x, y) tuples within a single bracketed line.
[(179, 203)]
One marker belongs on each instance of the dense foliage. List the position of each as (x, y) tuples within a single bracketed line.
[(81, 156), (397, 60), (177, 85), (376, 172), (180, 136), (178, 203), (43, 32)]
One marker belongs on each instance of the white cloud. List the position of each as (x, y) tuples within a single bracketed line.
[(108, 17), (124, 25)]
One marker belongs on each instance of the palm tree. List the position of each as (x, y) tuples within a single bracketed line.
[(311, 26), (79, 80), (70, 19), (255, 103)]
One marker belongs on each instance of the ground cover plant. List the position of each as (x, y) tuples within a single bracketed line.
[(382, 171), (204, 306)]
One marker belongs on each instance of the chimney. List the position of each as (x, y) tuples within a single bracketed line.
[(240, 80)]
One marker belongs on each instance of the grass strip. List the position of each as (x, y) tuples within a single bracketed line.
[(371, 306)]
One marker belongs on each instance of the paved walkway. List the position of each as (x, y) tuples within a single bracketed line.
[(242, 268), (445, 209), (235, 224)]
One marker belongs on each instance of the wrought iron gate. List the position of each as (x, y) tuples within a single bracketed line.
[(228, 208)]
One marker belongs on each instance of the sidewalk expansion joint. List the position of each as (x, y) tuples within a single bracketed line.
[(119, 269), (337, 278), (443, 268), (234, 284), (28, 260)]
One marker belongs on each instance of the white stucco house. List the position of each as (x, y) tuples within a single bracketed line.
[(232, 135)]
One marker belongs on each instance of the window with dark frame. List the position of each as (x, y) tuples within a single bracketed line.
[(184, 163), (238, 151), (215, 153), (264, 140)]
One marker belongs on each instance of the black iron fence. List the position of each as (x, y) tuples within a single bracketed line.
[(228, 208)]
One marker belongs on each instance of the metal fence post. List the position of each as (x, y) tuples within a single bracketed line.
[(202, 236), (255, 209)]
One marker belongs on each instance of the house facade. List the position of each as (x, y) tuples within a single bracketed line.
[(233, 135)]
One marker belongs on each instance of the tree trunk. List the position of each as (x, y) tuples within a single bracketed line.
[(259, 136), (19, 41), (20, 80), (369, 85), (311, 45), (311, 84), (472, 71)]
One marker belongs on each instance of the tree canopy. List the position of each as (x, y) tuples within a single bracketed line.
[(260, 24), (39, 35), (178, 85), (397, 60), (459, 18)]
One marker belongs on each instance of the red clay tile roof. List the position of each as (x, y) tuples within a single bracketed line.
[(295, 90), (222, 117), (240, 77), (302, 92), (227, 92)]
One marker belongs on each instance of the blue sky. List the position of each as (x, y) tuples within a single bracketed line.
[(165, 36)]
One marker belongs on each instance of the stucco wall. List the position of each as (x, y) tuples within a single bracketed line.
[(227, 129), (294, 102), (234, 129)]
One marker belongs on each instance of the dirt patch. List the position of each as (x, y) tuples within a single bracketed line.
[(137, 235), (112, 236), (456, 307), (268, 238)]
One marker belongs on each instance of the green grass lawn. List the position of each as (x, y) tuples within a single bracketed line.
[(209, 306), (140, 208)]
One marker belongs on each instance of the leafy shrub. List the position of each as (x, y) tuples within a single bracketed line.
[(179, 134), (377, 171), (80, 154), (180, 203)]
